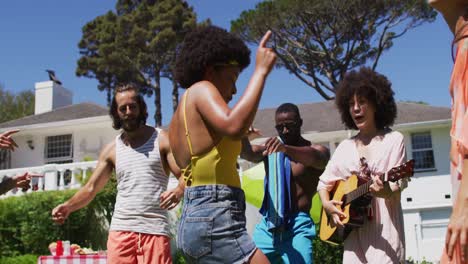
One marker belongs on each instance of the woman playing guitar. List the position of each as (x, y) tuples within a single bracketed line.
[(365, 101)]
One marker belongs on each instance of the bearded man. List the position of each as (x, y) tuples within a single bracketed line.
[(141, 158)]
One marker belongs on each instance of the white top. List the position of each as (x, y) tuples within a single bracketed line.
[(382, 239), (140, 181)]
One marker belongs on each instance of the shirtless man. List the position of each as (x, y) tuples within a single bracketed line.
[(291, 241)]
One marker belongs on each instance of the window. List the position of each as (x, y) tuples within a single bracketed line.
[(423, 155), (59, 149), (5, 159)]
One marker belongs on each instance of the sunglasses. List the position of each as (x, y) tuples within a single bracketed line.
[(288, 126)]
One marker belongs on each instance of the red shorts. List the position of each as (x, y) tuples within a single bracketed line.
[(125, 247)]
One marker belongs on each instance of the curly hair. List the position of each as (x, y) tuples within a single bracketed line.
[(208, 46), (116, 122), (375, 87)]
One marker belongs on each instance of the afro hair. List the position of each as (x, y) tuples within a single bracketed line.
[(208, 46), (374, 87)]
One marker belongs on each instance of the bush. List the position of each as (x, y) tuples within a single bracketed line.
[(327, 253), (178, 258), (25, 259), (411, 261), (26, 225)]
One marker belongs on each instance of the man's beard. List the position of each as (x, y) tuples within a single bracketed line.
[(130, 125)]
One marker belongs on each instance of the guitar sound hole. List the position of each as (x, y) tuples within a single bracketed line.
[(409, 199)]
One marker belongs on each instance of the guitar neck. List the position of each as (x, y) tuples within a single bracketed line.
[(360, 191), (395, 174)]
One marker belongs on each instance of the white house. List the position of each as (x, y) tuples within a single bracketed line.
[(427, 200), (61, 140), (57, 139)]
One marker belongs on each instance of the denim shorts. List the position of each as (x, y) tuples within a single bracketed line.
[(212, 226)]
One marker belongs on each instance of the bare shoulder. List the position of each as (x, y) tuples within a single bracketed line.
[(202, 86), (319, 147), (202, 90), (322, 149)]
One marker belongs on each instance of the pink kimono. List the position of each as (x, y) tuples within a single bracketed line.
[(381, 239), (459, 130)]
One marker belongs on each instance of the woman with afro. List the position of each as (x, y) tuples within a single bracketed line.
[(365, 101), (205, 137), (455, 13)]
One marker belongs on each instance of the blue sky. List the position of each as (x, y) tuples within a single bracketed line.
[(37, 35)]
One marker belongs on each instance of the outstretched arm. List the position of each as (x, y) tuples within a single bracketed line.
[(253, 153), (96, 183), (315, 156), (19, 181), (6, 142)]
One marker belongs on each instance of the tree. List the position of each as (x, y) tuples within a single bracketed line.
[(14, 106), (137, 43), (154, 31), (319, 41), (102, 57)]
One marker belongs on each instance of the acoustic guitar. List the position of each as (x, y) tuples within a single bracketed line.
[(355, 198)]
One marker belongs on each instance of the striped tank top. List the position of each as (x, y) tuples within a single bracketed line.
[(140, 182)]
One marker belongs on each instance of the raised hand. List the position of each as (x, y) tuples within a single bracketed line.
[(266, 57), (6, 142)]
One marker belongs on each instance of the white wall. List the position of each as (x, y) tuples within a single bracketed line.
[(88, 140), (426, 215), (433, 191), (430, 187), (425, 232)]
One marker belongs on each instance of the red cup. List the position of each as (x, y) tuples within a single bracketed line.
[(59, 249)]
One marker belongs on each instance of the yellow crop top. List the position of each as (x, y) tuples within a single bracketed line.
[(217, 166)]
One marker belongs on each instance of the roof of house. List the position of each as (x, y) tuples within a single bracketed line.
[(75, 111), (319, 117), (324, 116)]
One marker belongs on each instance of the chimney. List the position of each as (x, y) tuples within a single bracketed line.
[(49, 96)]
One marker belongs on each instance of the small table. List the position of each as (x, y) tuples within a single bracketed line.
[(73, 259)]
